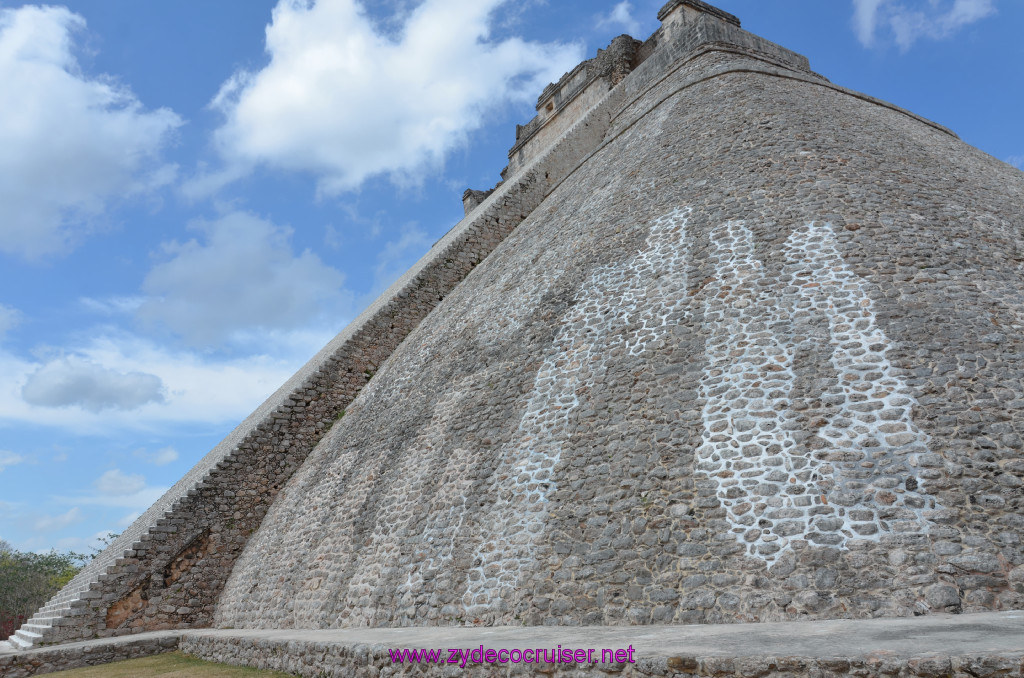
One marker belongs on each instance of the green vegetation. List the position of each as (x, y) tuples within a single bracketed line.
[(170, 665), (27, 580)]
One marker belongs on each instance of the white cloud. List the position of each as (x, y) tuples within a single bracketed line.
[(138, 500), (161, 457), (621, 15), (198, 388), (164, 456), (116, 483), (244, 275), (865, 20), (112, 305), (911, 20), (54, 523), (9, 319), (9, 459), (71, 145), (75, 381), (1017, 161), (343, 101)]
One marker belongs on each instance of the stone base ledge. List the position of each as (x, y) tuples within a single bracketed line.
[(87, 653), (974, 645), (979, 645)]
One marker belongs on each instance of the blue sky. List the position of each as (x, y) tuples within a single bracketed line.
[(196, 196)]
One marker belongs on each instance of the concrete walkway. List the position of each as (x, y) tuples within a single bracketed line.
[(989, 644), (904, 637)]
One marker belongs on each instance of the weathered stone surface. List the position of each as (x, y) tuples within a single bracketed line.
[(730, 344), (987, 644), (90, 653), (990, 644), (730, 370), (224, 498)]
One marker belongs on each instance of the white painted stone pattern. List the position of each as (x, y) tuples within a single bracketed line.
[(859, 484), (647, 293), (748, 448), (774, 488)]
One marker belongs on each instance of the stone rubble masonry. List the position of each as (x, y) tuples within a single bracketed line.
[(686, 24), (988, 645), (167, 569), (91, 653), (969, 646), (758, 358), (472, 198), (529, 452), (137, 584), (561, 104)]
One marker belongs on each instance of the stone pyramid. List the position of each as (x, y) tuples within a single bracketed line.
[(729, 343)]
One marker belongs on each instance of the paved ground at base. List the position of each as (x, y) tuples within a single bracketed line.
[(1001, 633), (986, 639)]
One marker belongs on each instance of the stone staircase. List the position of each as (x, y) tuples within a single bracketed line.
[(37, 629)]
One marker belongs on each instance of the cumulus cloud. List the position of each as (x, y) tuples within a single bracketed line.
[(116, 483), (621, 16), (54, 523), (198, 388), (9, 318), (9, 459), (240, 275), (910, 20), (71, 144), (74, 381), (344, 101)]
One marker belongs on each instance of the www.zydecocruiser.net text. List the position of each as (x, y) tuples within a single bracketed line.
[(479, 655)]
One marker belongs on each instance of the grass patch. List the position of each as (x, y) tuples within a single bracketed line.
[(169, 665)]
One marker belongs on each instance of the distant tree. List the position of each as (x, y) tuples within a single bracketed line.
[(28, 580)]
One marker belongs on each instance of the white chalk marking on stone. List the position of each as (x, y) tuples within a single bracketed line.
[(874, 422), (860, 482), (644, 293), (748, 450)]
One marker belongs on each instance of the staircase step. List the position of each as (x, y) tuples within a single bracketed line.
[(27, 636), (36, 628), (18, 643)]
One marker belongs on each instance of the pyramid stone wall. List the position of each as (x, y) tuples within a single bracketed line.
[(748, 347), (168, 568), (758, 358)]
